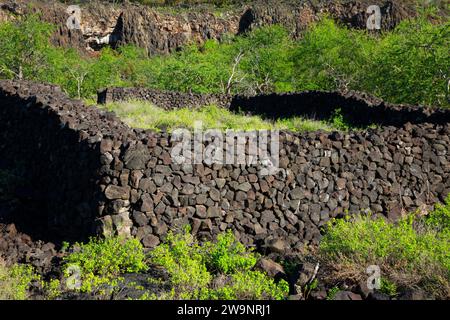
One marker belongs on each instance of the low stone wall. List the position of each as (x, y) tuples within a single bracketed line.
[(163, 99), (97, 171), (358, 109)]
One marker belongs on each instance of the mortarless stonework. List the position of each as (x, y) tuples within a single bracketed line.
[(358, 108), (95, 175)]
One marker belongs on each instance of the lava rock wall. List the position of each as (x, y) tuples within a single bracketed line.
[(357, 108), (164, 99), (124, 181)]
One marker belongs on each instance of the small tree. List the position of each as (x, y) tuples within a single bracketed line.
[(23, 46)]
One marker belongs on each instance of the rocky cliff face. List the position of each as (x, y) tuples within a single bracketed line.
[(297, 16), (163, 31)]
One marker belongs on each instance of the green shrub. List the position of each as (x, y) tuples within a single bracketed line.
[(251, 285), (220, 270), (15, 281), (439, 219), (412, 253), (406, 65), (388, 287), (181, 256), (102, 261), (338, 120), (228, 255), (24, 47), (332, 293), (52, 288)]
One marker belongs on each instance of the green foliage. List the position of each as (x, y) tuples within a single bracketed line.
[(102, 261), (329, 57), (182, 257), (24, 48), (220, 270), (411, 64), (52, 288), (310, 287), (332, 293), (407, 65), (439, 219), (407, 249), (388, 287), (372, 239), (15, 281), (228, 255), (338, 120), (252, 285)]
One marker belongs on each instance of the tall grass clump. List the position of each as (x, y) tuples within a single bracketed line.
[(141, 114)]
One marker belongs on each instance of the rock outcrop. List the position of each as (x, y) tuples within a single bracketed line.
[(159, 31)]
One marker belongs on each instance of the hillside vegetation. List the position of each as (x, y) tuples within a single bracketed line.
[(408, 65)]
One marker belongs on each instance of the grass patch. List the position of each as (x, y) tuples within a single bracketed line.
[(414, 252), (141, 114)]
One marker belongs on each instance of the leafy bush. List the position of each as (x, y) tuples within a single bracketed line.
[(251, 285), (15, 281), (331, 294), (220, 270), (440, 217), (181, 256), (52, 288), (388, 287), (407, 65), (228, 255), (24, 48), (329, 57), (102, 261), (410, 253), (338, 120)]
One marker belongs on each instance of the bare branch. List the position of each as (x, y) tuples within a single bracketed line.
[(237, 60)]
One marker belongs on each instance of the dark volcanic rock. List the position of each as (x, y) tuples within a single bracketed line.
[(91, 174)]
